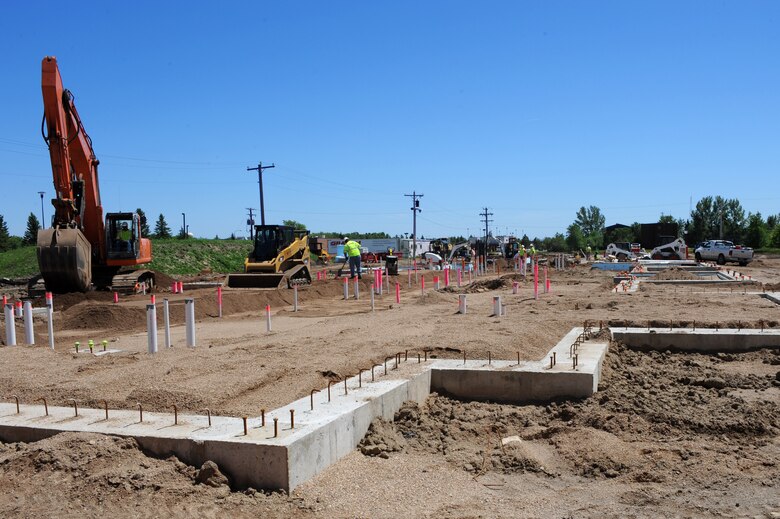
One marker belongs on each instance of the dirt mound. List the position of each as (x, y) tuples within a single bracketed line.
[(67, 470), (676, 273), (487, 284), (86, 316), (643, 397)]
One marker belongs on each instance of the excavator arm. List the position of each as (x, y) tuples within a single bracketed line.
[(80, 249), (73, 161)]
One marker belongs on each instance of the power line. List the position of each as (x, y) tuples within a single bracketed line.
[(259, 170), (485, 215), (415, 209)]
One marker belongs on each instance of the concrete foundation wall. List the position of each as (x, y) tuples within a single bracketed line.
[(322, 435), (701, 340)]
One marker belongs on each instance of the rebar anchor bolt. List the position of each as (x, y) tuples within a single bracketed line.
[(208, 413), (105, 406), (330, 383), (17, 403), (245, 428), (292, 418), (75, 405), (311, 397), (45, 405), (175, 415), (360, 377), (140, 412), (386, 359)]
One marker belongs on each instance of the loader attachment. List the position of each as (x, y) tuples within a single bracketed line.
[(65, 259), (255, 280), (298, 275)]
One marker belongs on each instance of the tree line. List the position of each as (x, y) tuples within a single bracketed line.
[(712, 218)]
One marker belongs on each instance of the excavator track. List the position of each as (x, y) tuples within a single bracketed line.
[(133, 282)]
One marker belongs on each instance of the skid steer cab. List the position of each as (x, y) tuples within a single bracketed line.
[(279, 257)]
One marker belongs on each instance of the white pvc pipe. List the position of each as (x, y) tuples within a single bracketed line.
[(50, 324), (151, 328), (167, 320), (462, 304), (372, 300), (189, 321), (515, 284), (357, 288), (497, 306), (10, 325), (268, 318), (346, 289), (29, 335)]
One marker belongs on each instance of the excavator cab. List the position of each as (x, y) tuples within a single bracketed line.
[(123, 235), (280, 254)]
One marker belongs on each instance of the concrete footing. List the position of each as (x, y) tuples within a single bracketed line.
[(277, 456)]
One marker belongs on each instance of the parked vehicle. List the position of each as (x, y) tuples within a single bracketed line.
[(723, 251)]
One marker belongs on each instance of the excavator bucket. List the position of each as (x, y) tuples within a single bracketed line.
[(65, 259), (264, 280)]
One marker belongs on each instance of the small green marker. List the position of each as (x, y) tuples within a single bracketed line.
[(77, 346), (91, 343), (104, 343)]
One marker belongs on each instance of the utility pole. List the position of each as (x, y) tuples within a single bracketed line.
[(251, 223), (259, 170), (485, 215), (184, 225), (43, 219), (415, 209)]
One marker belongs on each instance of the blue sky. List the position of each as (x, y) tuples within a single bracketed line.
[(531, 109)]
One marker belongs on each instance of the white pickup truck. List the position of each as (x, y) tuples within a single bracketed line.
[(722, 251)]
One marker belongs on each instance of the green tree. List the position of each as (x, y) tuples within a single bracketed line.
[(298, 226), (708, 215), (772, 221), (666, 218), (623, 235), (574, 238), (144, 224), (5, 237), (31, 234), (161, 229), (526, 241), (591, 223), (557, 243), (774, 238), (756, 235)]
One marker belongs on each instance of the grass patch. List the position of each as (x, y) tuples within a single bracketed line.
[(192, 256), (172, 257), (19, 263)]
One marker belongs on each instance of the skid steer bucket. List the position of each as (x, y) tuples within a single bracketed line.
[(265, 280), (65, 259)]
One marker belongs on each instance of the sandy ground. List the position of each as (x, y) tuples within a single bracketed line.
[(668, 434)]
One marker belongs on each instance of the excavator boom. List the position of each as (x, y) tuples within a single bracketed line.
[(77, 251)]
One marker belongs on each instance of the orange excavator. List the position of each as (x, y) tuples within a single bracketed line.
[(81, 251)]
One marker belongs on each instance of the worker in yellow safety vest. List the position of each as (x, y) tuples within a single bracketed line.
[(352, 253), (125, 238)]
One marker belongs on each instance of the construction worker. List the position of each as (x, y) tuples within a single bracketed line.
[(125, 238), (352, 253), (588, 250), (533, 251)]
